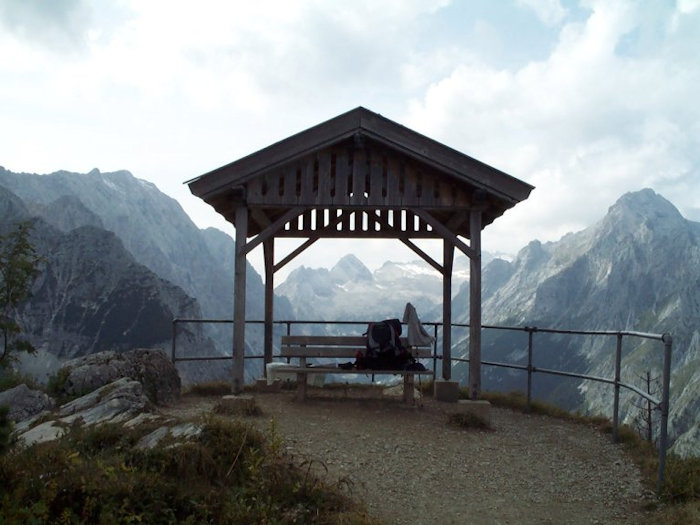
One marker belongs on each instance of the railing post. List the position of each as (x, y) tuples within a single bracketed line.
[(663, 434), (616, 402), (530, 331), (174, 335), (435, 333)]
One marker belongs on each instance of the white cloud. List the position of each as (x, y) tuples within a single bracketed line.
[(550, 12), (583, 126), (172, 89)]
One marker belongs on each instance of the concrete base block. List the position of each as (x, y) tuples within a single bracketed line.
[(241, 404), (261, 385), (480, 408), (447, 391)]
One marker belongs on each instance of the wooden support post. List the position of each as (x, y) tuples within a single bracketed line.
[(269, 256), (448, 259), (475, 305), (408, 388), (239, 299)]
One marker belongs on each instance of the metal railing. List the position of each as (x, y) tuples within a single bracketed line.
[(661, 404)]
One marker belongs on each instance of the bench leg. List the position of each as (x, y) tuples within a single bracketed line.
[(408, 388), (301, 386)]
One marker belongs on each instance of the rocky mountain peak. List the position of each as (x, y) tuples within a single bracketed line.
[(644, 209), (350, 269)]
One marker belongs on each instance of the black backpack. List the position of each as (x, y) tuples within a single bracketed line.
[(384, 350)]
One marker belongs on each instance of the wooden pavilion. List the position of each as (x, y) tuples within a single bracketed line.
[(360, 176)]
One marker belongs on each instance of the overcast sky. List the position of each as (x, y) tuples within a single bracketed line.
[(584, 100)]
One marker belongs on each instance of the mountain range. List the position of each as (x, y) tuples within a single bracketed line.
[(123, 260)]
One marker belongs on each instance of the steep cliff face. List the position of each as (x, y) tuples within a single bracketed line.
[(152, 227), (155, 230), (91, 294), (638, 269)]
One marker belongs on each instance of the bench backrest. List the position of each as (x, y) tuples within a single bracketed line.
[(336, 346)]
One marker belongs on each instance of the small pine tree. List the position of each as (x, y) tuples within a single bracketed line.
[(19, 267)]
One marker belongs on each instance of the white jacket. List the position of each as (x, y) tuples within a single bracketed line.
[(417, 336)]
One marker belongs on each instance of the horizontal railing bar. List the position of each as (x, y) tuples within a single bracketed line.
[(216, 358), (568, 374), (644, 335)]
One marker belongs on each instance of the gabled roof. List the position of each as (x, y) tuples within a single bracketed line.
[(359, 123)]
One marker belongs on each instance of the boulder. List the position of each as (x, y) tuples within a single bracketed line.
[(25, 402), (151, 368), (122, 401), (113, 403)]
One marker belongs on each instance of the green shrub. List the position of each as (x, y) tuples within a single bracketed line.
[(681, 480)]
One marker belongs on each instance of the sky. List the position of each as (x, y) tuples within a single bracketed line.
[(585, 100)]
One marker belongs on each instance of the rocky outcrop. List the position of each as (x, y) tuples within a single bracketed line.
[(121, 401), (25, 402), (151, 368)]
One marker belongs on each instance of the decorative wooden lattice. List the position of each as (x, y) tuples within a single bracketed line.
[(368, 192)]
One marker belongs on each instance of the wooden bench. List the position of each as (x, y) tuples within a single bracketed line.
[(303, 347)]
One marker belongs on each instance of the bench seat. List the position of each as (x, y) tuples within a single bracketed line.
[(303, 347)]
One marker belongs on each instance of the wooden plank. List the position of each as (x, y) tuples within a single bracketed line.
[(419, 352), (446, 193), (335, 370), (307, 221), (289, 195), (359, 176), (272, 181), (427, 198), (448, 254), (475, 306), (330, 340), (322, 340), (237, 368), (376, 180), (308, 191), (320, 351), (269, 258), (410, 185), (342, 176), (254, 190), (393, 174), (338, 352), (323, 196)]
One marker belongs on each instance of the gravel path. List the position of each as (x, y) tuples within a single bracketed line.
[(410, 467)]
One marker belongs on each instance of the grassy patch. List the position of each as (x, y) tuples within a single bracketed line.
[(230, 473), (212, 388)]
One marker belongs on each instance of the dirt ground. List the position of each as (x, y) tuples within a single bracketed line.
[(410, 467)]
